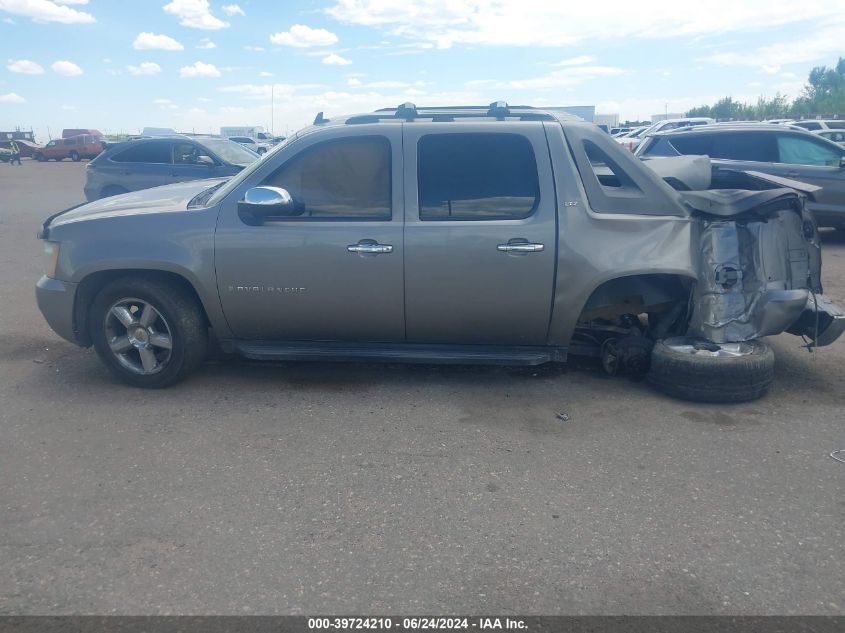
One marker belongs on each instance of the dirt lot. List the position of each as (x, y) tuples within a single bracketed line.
[(304, 488)]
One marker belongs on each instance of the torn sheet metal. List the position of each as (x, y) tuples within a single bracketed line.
[(755, 268)]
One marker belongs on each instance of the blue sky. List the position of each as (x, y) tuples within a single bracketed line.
[(197, 65)]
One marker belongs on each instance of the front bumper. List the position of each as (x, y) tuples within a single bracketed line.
[(55, 300), (822, 321)]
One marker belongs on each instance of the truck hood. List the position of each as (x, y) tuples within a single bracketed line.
[(169, 198)]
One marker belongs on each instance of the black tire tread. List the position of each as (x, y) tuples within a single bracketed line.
[(715, 380)]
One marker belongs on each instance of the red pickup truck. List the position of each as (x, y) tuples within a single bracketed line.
[(75, 148)]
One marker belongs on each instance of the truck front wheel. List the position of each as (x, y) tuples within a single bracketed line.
[(700, 370), (148, 333)]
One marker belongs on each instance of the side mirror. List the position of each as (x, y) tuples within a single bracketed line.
[(260, 203), (205, 160)]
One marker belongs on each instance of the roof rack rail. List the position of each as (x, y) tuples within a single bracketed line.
[(406, 110), (499, 109)]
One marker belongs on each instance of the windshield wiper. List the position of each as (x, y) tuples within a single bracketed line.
[(203, 196)]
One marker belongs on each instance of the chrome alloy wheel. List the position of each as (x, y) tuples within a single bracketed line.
[(716, 350), (138, 336)]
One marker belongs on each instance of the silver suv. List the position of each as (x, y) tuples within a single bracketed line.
[(772, 149), (455, 235)]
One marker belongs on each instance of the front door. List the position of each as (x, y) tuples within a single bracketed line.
[(480, 233), (334, 271)]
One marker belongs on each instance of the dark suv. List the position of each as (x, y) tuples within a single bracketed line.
[(151, 162), (769, 149)]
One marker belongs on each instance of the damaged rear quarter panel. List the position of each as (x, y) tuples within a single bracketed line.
[(594, 248)]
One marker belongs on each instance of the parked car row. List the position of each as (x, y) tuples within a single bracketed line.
[(779, 150)]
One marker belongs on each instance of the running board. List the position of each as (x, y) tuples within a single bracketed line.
[(395, 353)]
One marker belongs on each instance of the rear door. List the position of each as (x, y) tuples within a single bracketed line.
[(142, 165), (480, 233)]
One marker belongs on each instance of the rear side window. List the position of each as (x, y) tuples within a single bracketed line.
[(70, 141), (751, 146), (346, 179), (606, 170), (836, 125), (809, 125), (476, 177), (157, 152), (795, 150)]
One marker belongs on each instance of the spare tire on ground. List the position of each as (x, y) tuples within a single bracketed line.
[(700, 370)]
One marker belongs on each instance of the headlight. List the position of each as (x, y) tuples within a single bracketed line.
[(51, 258)]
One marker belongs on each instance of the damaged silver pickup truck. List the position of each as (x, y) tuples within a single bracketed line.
[(499, 234)]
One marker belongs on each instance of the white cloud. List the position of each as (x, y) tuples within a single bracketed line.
[(254, 49), (264, 73), (12, 97), (301, 36), (66, 68), (353, 81), (542, 23), (71, 1), (199, 69), (46, 11), (577, 61), (151, 41), (336, 60), (69, 108), (195, 14), (144, 68), (825, 43), (565, 77), (165, 104), (232, 9), (25, 67), (206, 44)]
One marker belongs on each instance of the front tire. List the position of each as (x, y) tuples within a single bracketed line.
[(74, 156), (41, 158), (149, 334), (702, 371)]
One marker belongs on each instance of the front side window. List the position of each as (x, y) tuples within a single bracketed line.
[(795, 150), (476, 177), (809, 126), (156, 152), (70, 141), (185, 154), (346, 179)]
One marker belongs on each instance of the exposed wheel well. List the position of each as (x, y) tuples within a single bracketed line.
[(93, 283), (652, 305)]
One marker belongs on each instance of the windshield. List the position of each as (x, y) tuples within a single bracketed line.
[(229, 151), (233, 182)]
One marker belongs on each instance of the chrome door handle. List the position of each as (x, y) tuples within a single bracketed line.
[(520, 247), (374, 249)]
